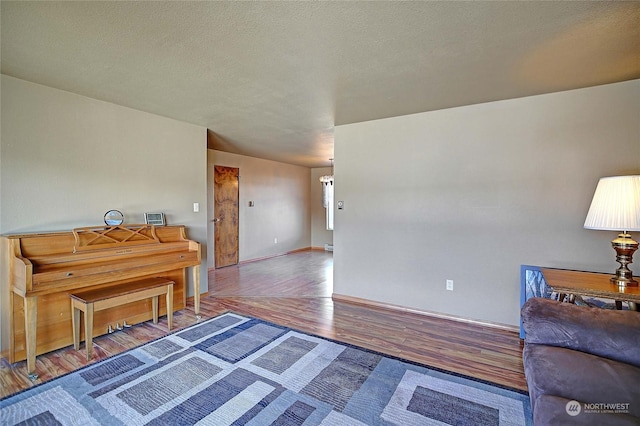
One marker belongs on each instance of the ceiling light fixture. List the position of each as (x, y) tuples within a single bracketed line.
[(327, 187), (328, 178)]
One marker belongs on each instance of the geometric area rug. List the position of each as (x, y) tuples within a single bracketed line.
[(237, 370)]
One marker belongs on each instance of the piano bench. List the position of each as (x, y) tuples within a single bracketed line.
[(91, 301)]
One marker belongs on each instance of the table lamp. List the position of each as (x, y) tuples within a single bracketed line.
[(616, 207)]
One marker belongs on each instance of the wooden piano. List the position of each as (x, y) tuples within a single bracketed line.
[(45, 268)]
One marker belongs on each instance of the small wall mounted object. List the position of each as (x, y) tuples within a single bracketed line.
[(616, 207)]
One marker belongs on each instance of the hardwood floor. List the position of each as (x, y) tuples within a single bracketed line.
[(295, 290)]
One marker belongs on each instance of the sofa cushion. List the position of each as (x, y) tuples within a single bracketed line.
[(579, 376), (611, 334), (552, 410)]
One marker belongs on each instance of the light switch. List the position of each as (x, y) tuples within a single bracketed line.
[(196, 207), (340, 205)]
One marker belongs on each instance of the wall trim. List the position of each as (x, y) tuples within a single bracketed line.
[(398, 308), (273, 255), (257, 259)]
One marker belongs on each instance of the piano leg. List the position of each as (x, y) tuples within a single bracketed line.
[(88, 330), (30, 320), (196, 289), (169, 300), (154, 308), (75, 324)]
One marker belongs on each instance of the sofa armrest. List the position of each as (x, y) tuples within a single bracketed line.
[(610, 334)]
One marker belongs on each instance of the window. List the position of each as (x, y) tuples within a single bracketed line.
[(328, 187)]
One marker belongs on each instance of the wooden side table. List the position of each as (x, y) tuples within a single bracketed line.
[(592, 284)]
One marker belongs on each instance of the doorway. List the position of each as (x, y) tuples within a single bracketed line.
[(225, 210)]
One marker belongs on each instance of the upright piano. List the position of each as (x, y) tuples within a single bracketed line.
[(45, 268)]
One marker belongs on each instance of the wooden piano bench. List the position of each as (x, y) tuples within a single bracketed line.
[(91, 301)]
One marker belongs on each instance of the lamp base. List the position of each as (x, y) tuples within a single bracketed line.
[(624, 246), (624, 282)]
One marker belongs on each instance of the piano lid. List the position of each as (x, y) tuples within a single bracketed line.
[(106, 237)]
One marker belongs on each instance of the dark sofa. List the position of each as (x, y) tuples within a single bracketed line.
[(582, 364)]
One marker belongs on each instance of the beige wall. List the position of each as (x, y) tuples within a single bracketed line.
[(281, 196), (471, 193), (67, 159), (319, 234)]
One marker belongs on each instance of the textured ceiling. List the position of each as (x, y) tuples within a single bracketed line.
[(272, 79)]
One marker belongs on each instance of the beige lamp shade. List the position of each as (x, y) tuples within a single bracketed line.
[(615, 205)]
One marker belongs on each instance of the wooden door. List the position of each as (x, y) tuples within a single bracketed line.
[(225, 210)]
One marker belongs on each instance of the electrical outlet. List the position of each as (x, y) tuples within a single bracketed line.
[(196, 207), (450, 285), (275, 240)]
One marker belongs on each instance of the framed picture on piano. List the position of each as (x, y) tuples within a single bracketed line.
[(154, 219)]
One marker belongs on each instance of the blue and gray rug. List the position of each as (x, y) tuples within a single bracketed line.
[(235, 370)]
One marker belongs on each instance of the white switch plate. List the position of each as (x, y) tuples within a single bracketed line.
[(196, 207), (450, 285)]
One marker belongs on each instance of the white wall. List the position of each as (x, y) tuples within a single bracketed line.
[(472, 193), (67, 159), (319, 233), (281, 196)]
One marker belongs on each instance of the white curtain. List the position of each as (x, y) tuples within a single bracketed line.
[(327, 202), (327, 187)]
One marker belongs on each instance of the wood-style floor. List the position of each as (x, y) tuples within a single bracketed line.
[(295, 290)]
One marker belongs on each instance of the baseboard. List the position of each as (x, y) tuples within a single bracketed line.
[(257, 259), (398, 308), (299, 250)]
